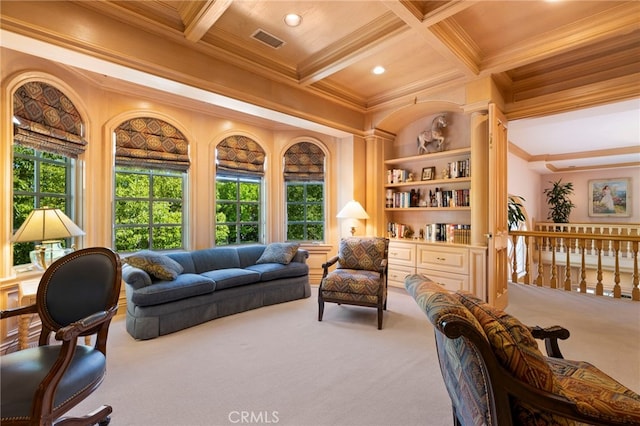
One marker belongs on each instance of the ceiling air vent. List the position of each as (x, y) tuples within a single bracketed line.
[(268, 39)]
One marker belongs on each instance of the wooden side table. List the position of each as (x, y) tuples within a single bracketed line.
[(27, 291)]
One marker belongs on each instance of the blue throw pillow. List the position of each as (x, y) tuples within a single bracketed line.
[(279, 253), (156, 264)]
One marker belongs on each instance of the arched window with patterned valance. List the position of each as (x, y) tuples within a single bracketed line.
[(304, 171), (150, 206), (240, 169), (45, 119), (151, 142), (48, 137), (240, 155)]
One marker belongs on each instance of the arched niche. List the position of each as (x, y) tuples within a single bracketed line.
[(400, 118)]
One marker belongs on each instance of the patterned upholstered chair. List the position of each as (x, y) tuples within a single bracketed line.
[(77, 296), (495, 374), (360, 277)]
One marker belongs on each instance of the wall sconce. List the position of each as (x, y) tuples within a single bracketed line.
[(353, 210), (49, 226)]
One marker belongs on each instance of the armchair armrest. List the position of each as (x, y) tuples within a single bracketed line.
[(73, 330), (328, 264), (550, 335), (23, 310)]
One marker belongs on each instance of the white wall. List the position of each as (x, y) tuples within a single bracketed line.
[(526, 183)]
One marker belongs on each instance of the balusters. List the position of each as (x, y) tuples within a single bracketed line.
[(635, 293), (583, 268), (567, 274), (617, 292), (540, 241), (554, 273), (599, 287), (527, 261), (514, 263)]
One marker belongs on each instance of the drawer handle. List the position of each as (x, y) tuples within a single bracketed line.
[(441, 258), (394, 253)]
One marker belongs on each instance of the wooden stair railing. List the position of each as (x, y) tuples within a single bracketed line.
[(596, 248)]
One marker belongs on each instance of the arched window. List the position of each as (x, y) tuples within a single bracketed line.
[(152, 160), (240, 163), (304, 188), (48, 138)]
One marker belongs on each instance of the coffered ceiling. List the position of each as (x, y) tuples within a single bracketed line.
[(547, 57), (533, 48)]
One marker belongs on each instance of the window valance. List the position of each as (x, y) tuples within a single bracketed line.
[(151, 142), (240, 155), (46, 120), (304, 161)]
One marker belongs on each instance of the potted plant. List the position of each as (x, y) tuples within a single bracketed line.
[(558, 200), (514, 211)]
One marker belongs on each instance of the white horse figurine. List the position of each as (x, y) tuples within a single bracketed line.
[(434, 136)]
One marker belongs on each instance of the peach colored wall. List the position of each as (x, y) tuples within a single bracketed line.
[(580, 182), (530, 185)]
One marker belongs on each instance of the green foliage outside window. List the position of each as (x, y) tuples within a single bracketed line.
[(148, 209), (39, 179), (305, 211), (237, 210)]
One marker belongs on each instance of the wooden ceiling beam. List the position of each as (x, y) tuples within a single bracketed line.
[(360, 44), (614, 22), (199, 17), (443, 35)]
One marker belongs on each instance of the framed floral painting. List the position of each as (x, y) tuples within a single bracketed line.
[(610, 197)]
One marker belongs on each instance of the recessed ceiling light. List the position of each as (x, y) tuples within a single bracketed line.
[(292, 19), (378, 70)]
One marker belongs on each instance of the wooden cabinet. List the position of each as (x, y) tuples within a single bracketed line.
[(402, 262), (448, 266), (456, 266)]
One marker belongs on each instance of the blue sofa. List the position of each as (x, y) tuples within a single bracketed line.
[(209, 284)]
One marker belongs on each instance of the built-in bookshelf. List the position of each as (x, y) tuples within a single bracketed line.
[(427, 196)]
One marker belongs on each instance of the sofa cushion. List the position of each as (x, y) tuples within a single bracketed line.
[(184, 258), (232, 277), (361, 253), (156, 264), (215, 258), (274, 271), (278, 253), (512, 342), (185, 285)]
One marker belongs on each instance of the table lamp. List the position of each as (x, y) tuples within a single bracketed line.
[(353, 210), (48, 225)]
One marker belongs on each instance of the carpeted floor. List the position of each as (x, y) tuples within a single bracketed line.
[(279, 365)]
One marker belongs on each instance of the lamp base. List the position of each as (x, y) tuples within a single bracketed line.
[(47, 253)]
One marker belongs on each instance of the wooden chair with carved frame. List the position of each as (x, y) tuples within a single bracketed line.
[(77, 296)]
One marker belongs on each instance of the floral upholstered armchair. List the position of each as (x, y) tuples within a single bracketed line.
[(495, 374), (360, 276)]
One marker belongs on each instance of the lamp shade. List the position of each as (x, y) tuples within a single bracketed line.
[(353, 210), (46, 224)]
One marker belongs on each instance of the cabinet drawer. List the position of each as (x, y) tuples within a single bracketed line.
[(450, 281), (402, 254), (446, 259), (397, 274)]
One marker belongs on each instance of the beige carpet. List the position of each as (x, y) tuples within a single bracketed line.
[(279, 365)]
